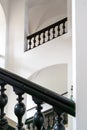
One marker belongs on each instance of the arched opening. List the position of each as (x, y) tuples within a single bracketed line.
[(2, 37)]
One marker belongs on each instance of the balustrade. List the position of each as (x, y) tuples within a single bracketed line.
[(20, 86), (43, 35)]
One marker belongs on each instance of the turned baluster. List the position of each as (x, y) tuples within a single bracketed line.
[(44, 37), (39, 39), (58, 30), (38, 117), (3, 102), (59, 120), (48, 34), (19, 108), (34, 42), (54, 32), (63, 27), (30, 43)]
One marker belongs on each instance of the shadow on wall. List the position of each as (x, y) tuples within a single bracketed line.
[(52, 77)]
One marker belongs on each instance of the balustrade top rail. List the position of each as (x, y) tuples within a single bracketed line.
[(47, 28), (34, 89), (46, 34)]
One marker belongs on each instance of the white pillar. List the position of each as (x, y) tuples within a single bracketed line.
[(80, 24)]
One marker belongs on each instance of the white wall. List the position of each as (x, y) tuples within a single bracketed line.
[(80, 29), (2, 36), (5, 5), (52, 77), (15, 47), (25, 64)]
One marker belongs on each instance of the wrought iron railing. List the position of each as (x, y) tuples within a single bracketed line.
[(20, 86), (38, 38)]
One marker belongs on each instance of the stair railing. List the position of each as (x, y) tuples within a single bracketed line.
[(49, 119), (44, 35), (20, 86), (63, 94)]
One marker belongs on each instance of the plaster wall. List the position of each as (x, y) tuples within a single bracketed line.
[(25, 64), (80, 40), (5, 4)]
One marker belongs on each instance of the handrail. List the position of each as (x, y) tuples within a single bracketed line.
[(44, 102), (34, 89)]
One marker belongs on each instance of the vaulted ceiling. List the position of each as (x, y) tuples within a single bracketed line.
[(45, 12)]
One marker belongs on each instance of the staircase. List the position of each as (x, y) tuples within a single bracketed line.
[(40, 94)]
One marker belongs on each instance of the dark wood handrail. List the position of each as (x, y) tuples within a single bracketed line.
[(34, 89), (44, 102)]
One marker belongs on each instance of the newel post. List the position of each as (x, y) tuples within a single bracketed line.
[(3, 102), (38, 117)]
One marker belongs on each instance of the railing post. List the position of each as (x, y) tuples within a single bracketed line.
[(19, 108), (3, 102), (38, 117), (59, 120)]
